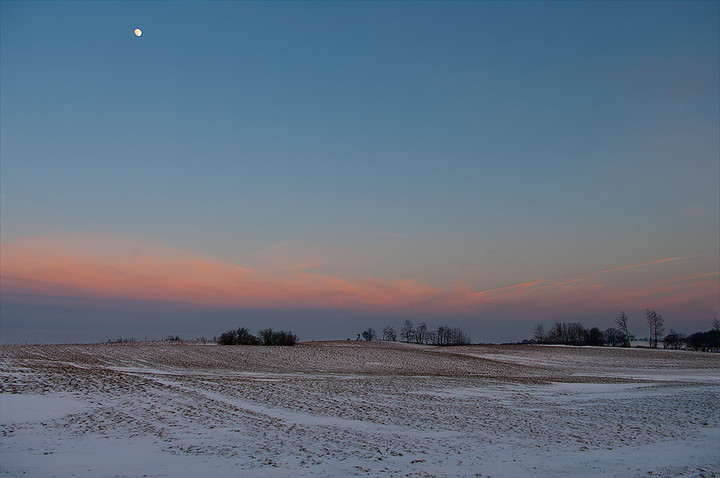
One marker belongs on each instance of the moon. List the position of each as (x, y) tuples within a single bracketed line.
[(137, 32)]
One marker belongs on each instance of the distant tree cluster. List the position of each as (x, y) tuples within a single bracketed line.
[(565, 333), (122, 340), (705, 341), (442, 335), (573, 333), (699, 341), (445, 335), (242, 336)]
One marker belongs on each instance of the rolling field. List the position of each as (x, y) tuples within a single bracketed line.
[(357, 409)]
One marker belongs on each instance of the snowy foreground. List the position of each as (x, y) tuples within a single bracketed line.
[(357, 409)]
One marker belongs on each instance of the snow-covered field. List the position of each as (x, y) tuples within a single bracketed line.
[(357, 409)]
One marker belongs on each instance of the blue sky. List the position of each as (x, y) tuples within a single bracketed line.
[(336, 151)]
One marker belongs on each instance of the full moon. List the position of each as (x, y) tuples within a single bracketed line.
[(137, 32)]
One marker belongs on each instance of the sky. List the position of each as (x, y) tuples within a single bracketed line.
[(330, 166)]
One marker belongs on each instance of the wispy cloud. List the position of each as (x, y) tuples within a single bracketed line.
[(583, 292), (513, 289)]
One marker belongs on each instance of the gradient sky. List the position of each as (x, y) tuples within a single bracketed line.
[(329, 166)]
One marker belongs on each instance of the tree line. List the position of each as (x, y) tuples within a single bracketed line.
[(443, 335), (242, 336), (699, 341), (574, 333), (705, 341)]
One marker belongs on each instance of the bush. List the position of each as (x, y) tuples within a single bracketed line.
[(244, 337), (284, 338), (674, 340), (228, 338)]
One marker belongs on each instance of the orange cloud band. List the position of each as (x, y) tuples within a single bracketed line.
[(129, 269), (112, 268)]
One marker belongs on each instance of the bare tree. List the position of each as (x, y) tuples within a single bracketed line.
[(266, 336), (539, 333), (431, 337), (659, 328), (557, 334), (595, 337), (445, 335), (650, 319), (459, 337), (389, 334), (716, 329), (421, 333), (442, 335), (576, 334), (656, 325), (407, 331), (613, 337), (622, 324), (369, 334)]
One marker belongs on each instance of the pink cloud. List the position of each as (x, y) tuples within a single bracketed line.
[(126, 268), (112, 268)]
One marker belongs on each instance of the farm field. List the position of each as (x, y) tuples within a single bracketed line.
[(357, 409)]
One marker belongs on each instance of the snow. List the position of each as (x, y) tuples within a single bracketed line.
[(15, 408), (348, 409)]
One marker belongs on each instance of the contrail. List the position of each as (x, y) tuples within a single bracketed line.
[(641, 264), (542, 283)]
